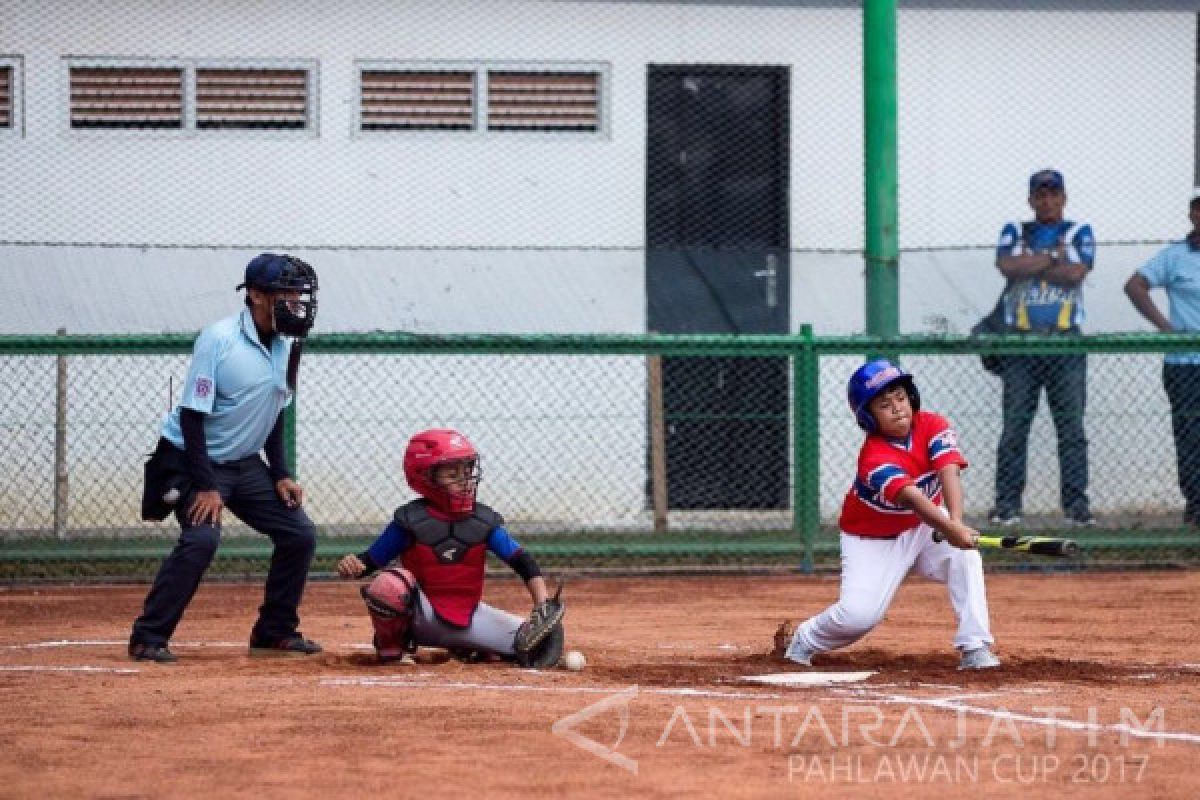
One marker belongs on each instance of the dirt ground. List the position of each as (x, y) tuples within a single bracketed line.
[(1099, 696)]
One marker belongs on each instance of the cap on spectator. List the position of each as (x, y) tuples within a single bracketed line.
[(264, 270), (1046, 179)]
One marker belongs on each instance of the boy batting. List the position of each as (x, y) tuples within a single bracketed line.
[(907, 487)]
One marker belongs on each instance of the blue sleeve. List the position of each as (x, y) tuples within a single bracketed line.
[(200, 386), (1009, 237), (1084, 245), (1156, 271), (392, 542), (503, 544)]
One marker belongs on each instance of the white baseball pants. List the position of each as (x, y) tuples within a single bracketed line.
[(872, 571), (492, 629)]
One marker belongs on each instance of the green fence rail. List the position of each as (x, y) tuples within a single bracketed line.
[(759, 445)]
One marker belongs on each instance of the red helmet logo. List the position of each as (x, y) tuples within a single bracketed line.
[(428, 450)]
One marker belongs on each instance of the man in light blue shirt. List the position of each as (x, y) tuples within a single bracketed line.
[(239, 414), (240, 379), (1176, 268)]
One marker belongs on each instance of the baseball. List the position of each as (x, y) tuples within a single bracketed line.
[(574, 660)]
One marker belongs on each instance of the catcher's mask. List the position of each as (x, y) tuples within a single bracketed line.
[(296, 311), (441, 447), (870, 380)]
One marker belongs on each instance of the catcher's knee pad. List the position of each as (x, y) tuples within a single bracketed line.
[(391, 598)]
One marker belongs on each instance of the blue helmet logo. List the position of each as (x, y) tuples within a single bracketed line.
[(869, 380)]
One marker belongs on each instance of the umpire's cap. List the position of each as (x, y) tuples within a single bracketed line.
[(265, 271)]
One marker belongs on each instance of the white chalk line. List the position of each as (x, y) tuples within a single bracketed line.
[(808, 679), (995, 693), (947, 704), (1183, 666), (110, 643), (108, 670), (951, 703), (123, 642), (400, 683), (711, 693), (874, 687), (695, 648)]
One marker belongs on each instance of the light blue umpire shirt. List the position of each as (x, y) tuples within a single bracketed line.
[(1176, 268), (238, 384)]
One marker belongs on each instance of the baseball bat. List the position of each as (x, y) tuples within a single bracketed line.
[(1034, 545)]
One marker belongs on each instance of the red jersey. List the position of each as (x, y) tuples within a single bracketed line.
[(885, 466)]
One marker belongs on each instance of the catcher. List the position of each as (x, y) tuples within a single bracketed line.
[(432, 595)]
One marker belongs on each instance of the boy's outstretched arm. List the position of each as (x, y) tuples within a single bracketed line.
[(961, 536), (952, 491)]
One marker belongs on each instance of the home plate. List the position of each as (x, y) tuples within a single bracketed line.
[(809, 678)]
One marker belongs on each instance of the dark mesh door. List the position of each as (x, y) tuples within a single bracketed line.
[(717, 262)]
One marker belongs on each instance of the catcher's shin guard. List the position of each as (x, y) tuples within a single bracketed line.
[(391, 598)]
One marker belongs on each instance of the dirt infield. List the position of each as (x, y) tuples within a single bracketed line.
[(1099, 697)]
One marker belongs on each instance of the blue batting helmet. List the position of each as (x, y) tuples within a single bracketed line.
[(869, 380)]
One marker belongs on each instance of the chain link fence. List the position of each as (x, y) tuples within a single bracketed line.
[(567, 428), (584, 170), (443, 162)]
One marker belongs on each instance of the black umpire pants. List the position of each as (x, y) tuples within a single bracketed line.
[(249, 493), (1182, 382), (1064, 377)]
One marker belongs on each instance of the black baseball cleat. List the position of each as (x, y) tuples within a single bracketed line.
[(159, 654), (294, 645)]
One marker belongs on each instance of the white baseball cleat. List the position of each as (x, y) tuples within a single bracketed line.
[(798, 655), (787, 648), (979, 658)]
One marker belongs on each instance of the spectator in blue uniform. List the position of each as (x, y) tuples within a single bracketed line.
[(1044, 262)]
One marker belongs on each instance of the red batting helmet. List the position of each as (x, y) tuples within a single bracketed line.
[(432, 448)]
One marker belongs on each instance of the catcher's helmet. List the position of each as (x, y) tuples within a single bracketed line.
[(868, 381), (432, 448), (273, 273)]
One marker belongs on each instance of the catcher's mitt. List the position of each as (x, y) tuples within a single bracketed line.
[(539, 640)]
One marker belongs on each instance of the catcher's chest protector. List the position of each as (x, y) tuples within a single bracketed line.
[(448, 559)]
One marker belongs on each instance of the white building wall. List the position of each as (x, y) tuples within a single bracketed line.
[(537, 233), (1122, 130)]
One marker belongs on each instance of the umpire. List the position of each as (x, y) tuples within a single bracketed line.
[(241, 378)]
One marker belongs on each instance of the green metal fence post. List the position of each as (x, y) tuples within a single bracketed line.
[(62, 494), (879, 141), (806, 438)]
